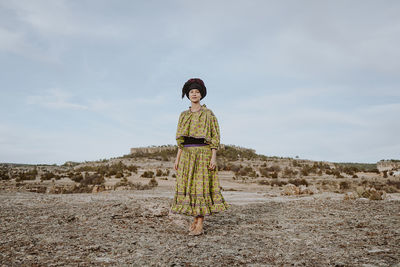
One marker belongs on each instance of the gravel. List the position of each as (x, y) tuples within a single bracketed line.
[(120, 228)]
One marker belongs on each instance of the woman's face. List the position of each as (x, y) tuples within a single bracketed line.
[(194, 95)]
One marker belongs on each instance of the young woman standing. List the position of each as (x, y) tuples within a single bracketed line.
[(197, 190)]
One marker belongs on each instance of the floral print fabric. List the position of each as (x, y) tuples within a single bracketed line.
[(197, 189), (199, 124)]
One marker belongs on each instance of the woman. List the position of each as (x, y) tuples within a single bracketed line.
[(197, 191)]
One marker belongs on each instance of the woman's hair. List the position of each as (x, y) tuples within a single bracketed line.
[(194, 83)]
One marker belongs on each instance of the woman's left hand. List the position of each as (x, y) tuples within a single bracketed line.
[(213, 163)]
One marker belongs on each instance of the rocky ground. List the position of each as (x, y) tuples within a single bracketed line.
[(135, 228)]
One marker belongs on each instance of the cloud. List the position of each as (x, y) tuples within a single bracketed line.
[(56, 99), (62, 18), (292, 123)]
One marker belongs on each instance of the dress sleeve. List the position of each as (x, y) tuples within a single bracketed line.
[(179, 137), (215, 135)]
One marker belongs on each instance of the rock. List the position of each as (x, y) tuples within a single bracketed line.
[(290, 190), (192, 244), (98, 188), (370, 193), (350, 196)]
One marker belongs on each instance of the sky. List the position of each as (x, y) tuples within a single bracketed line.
[(84, 80)]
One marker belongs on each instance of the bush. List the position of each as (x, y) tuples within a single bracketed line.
[(393, 183), (247, 171), (298, 182), (233, 167), (77, 178), (108, 170), (375, 170), (28, 175), (264, 172), (263, 182), (148, 174), (274, 175), (274, 168), (4, 174), (92, 179), (278, 183), (304, 171), (287, 172), (344, 185), (159, 173), (153, 182)]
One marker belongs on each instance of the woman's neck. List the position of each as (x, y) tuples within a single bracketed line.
[(195, 107)]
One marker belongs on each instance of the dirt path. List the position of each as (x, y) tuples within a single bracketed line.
[(130, 227)]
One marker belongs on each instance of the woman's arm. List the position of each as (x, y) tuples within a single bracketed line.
[(213, 161), (178, 156)]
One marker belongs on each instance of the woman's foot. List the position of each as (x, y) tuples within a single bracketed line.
[(198, 229), (193, 225)]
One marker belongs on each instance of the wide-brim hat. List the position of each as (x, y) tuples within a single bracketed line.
[(194, 83)]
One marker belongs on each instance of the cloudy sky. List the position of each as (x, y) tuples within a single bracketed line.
[(89, 79)]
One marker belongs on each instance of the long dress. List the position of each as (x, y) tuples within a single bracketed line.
[(197, 190)]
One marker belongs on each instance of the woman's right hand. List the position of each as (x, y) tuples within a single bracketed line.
[(176, 165)]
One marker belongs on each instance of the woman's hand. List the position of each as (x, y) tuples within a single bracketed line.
[(176, 165), (178, 156), (213, 162)]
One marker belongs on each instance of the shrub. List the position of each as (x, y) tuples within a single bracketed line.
[(305, 171), (278, 183), (375, 170), (393, 183), (233, 167), (247, 171), (344, 185), (263, 182), (274, 175), (264, 172), (153, 182), (28, 175), (92, 179), (4, 174), (148, 174), (298, 182), (274, 168), (287, 172), (264, 164), (77, 178)]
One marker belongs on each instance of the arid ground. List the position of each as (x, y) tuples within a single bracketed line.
[(135, 227), (284, 212)]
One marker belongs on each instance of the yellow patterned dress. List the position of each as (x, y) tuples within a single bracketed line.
[(197, 190)]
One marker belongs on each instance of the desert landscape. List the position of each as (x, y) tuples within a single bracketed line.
[(284, 212)]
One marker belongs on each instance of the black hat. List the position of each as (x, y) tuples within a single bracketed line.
[(194, 83)]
